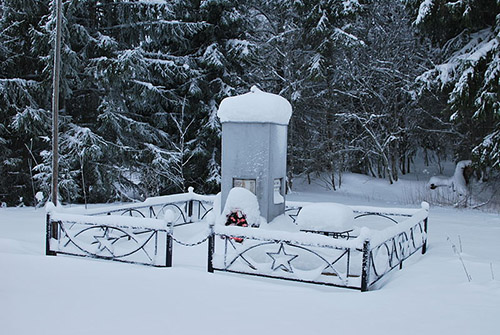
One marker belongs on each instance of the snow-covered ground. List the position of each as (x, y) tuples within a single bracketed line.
[(431, 295)]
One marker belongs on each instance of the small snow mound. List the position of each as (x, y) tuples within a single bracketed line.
[(329, 217), (39, 196), (50, 207), (241, 199), (255, 106), (169, 216)]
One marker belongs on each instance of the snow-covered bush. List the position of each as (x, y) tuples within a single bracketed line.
[(457, 183)]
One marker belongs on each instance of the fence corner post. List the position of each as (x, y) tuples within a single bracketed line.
[(170, 231), (48, 236), (190, 204), (424, 246), (211, 247), (365, 269)]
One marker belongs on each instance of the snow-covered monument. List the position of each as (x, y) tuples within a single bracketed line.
[(321, 243), (254, 147)]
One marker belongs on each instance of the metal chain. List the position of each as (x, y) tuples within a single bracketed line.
[(189, 244)]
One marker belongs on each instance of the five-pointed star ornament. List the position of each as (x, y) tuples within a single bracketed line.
[(281, 259), (294, 216), (106, 242)]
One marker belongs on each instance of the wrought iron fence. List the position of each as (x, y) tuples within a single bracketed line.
[(117, 239), (143, 233), (391, 248), (353, 261), (300, 257), (180, 208)]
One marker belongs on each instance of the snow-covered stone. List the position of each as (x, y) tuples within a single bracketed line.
[(255, 106)]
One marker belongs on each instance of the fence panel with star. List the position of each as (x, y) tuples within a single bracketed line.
[(355, 261), (123, 239), (300, 257)]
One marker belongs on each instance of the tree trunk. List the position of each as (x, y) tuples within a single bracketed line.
[(394, 167), (340, 178), (387, 168), (370, 168), (332, 176)]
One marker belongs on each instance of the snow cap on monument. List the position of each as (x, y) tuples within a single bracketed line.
[(255, 106)]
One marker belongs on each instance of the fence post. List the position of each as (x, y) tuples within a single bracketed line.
[(190, 203), (424, 246), (170, 231), (190, 210), (48, 236), (365, 269), (211, 249)]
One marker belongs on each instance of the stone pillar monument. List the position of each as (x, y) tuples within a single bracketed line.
[(254, 147)]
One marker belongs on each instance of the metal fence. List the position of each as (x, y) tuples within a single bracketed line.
[(297, 257), (116, 239), (391, 248), (356, 262), (143, 233)]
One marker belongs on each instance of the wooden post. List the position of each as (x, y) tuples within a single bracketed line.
[(55, 103), (365, 270)]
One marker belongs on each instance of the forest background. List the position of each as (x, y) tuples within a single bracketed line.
[(372, 84)]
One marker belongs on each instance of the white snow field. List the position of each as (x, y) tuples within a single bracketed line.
[(432, 294)]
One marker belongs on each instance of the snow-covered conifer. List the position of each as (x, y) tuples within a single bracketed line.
[(465, 71)]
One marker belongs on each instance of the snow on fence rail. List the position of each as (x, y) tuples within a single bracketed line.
[(298, 256), (358, 262), (179, 208), (123, 239), (143, 233), (139, 233)]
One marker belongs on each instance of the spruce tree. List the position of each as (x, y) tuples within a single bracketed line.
[(465, 34), (24, 108)]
